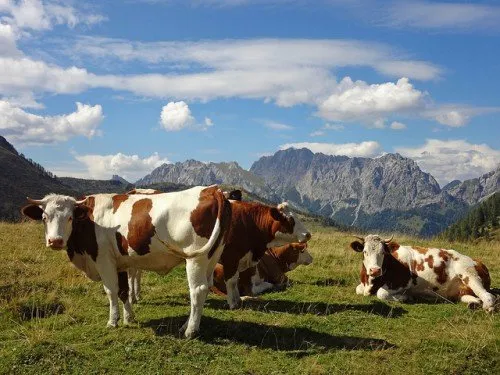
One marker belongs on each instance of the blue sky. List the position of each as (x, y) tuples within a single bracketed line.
[(91, 89)]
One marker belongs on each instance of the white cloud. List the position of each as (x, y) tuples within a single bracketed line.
[(208, 122), (23, 127), (456, 116), (8, 39), (453, 159), (274, 125), (130, 167), (259, 55), (363, 149), (359, 101), (441, 15), (396, 125), (43, 15), (336, 127), (176, 116), (317, 133)]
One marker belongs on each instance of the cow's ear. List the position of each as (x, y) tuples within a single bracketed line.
[(391, 246), (357, 246), (32, 211), (235, 195), (81, 212), (276, 214)]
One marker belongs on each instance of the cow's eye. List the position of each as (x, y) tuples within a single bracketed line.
[(70, 219)]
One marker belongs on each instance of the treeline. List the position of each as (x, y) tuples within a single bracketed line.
[(481, 222), (41, 169)]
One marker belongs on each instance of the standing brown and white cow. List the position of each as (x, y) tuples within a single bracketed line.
[(269, 273), (164, 229), (395, 272), (254, 228)]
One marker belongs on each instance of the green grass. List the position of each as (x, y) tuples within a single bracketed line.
[(52, 320)]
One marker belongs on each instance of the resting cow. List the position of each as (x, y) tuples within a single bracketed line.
[(163, 228), (395, 272), (270, 272)]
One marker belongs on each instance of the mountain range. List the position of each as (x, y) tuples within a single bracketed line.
[(389, 193)]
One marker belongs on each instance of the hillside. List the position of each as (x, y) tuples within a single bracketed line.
[(483, 221), (20, 178), (87, 186)]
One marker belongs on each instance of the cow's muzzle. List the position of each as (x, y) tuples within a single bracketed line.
[(55, 243)]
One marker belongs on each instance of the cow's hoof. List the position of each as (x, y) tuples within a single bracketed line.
[(111, 324), (129, 321), (473, 305), (489, 309), (191, 334)]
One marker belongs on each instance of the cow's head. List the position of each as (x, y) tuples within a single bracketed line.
[(57, 213), (287, 227), (234, 195), (293, 255), (374, 249)]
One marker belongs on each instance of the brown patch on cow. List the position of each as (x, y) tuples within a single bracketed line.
[(244, 281), (417, 266), (483, 274), (421, 250), (443, 254), (122, 243), (430, 261), (363, 275), (118, 199), (83, 238), (203, 217), (441, 273), (392, 246), (140, 226)]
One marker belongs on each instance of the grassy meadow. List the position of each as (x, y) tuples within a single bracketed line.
[(53, 320)]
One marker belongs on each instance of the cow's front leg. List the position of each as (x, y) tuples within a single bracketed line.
[(390, 295), (196, 270), (110, 281), (233, 293)]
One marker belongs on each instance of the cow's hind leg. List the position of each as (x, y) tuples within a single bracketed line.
[(475, 283), (124, 293), (233, 293), (196, 270), (134, 282)]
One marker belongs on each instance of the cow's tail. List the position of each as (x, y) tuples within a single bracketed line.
[(214, 239)]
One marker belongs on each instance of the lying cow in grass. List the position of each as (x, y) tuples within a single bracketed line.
[(395, 272), (101, 230), (270, 272)]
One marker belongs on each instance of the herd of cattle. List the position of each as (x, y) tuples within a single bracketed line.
[(232, 247)]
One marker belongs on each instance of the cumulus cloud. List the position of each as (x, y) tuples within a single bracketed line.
[(130, 167), (453, 159), (363, 149), (43, 15), (23, 127), (176, 116), (396, 125), (360, 101), (442, 15), (456, 116)]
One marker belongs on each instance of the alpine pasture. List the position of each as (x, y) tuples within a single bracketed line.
[(52, 320)]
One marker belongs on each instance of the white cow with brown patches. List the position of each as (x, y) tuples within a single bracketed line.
[(395, 272), (100, 231)]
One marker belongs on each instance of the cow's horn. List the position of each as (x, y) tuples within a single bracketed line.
[(389, 239), (360, 238), (81, 201), (34, 201)]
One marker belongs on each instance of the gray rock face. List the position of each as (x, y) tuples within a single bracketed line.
[(387, 193), (475, 190), (192, 172), (342, 187)]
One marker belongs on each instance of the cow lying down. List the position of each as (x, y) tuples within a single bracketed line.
[(269, 273), (394, 272)]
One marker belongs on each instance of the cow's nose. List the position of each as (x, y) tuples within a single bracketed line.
[(55, 242), (375, 271)]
